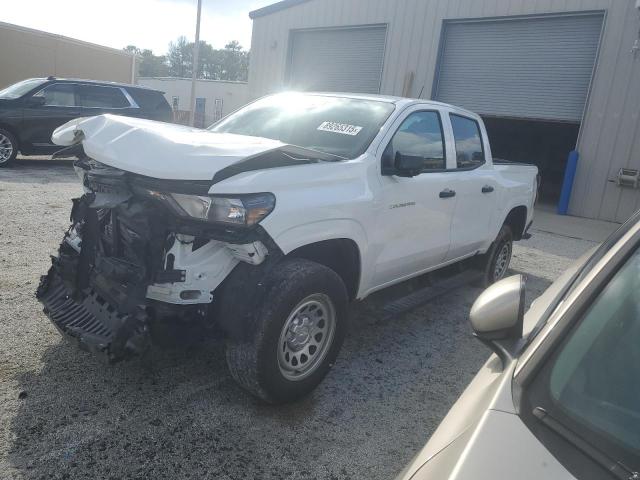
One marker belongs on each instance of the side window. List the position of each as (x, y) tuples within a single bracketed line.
[(420, 136), (589, 386), (594, 377), (58, 95), (94, 96), (469, 150)]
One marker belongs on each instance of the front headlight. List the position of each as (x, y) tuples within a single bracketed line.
[(244, 210)]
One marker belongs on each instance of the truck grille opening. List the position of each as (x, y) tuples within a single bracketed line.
[(118, 239)]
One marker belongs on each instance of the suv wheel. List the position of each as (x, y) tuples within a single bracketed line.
[(495, 262), (8, 148), (297, 335)]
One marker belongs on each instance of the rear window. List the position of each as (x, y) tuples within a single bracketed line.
[(96, 96), (149, 99), (469, 150), (334, 125)]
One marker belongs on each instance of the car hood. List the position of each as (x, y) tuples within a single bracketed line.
[(501, 446), (157, 149)]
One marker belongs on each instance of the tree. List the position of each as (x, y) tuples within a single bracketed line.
[(153, 65), (230, 63), (235, 62), (132, 49), (150, 65), (179, 58)]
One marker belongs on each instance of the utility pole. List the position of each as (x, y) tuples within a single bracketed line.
[(196, 51)]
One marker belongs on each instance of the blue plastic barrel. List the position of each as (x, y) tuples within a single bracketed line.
[(567, 183)]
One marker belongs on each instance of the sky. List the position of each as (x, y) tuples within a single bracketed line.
[(148, 24)]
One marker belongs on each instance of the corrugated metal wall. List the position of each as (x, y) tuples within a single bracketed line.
[(341, 59), (610, 136), (531, 67), (27, 53)]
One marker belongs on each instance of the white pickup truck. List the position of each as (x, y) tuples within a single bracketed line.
[(268, 223)]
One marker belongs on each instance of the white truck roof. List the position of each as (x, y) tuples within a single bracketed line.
[(400, 101)]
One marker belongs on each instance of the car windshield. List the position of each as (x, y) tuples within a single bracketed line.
[(336, 125), (594, 379), (19, 89)]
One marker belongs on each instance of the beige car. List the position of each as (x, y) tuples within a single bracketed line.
[(560, 398)]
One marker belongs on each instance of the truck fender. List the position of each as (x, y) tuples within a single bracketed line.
[(330, 229), (305, 234)]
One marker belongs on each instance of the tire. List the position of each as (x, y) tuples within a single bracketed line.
[(495, 263), (8, 148), (302, 297)]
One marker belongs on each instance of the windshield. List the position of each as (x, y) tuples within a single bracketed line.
[(19, 89), (335, 125)]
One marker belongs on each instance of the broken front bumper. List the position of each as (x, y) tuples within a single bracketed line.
[(94, 323), (126, 263)]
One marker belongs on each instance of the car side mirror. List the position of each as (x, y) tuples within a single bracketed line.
[(36, 101), (497, 316), (408, 165)]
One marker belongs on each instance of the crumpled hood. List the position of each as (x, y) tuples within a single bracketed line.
[(159, 150)]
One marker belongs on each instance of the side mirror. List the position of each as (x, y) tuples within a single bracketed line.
[(35, 101), (408, 165), (497, 316)]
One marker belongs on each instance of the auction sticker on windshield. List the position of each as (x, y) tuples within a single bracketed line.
[(343, 128)]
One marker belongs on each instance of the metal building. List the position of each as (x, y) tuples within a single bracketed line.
[(218, 97), (548, 76), (28, 53)]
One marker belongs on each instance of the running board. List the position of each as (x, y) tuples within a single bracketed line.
[(423, 296)]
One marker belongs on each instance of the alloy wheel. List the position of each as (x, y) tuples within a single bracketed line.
[(6, 148)]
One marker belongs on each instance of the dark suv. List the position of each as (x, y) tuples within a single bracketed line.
[(32, 109)]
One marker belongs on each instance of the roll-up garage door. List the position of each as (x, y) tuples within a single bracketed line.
[(537, 68), (337, 60)]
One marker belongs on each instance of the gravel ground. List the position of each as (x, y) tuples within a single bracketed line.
[(65, 414)]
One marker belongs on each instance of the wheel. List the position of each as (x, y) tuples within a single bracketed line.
[(297, 335), (8, 148), (495, 263)]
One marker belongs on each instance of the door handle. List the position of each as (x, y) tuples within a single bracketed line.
[(447, 193), (487, 189)]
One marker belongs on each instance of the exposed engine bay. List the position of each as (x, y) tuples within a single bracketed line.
[(128, 260)]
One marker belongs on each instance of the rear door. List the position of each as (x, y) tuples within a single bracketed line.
[(99, 99), (59, 106), (414, 220), (475, 187)]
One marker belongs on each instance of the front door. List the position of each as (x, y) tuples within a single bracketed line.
[(49, 108), (414, 221)]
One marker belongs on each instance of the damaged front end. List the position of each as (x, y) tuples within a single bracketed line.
[(131, 259)]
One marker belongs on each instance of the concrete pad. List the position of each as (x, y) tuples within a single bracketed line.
[(546, 220)]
